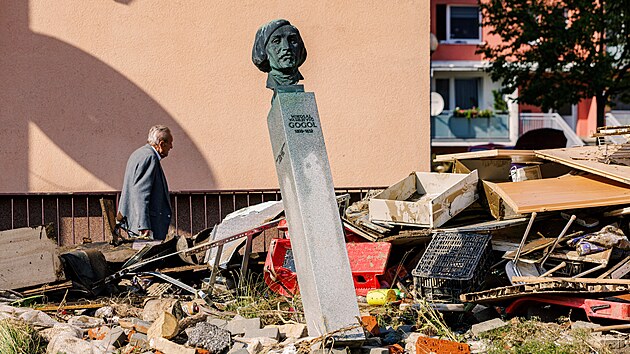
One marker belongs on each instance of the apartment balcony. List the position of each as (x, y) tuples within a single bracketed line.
[(448, 130)]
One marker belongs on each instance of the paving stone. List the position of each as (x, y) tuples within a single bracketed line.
[(72, 345), (583, 324), (292, 330), (86, 322), (139, 340), (61, 329), (240, 325), (116, 337), (269, 332), (610, 341), (166, 346), (487, 326), (238, 351), (221, 323)]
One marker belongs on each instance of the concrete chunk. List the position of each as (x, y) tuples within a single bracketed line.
[(486, 326), (269, 332), (239, 325), (208, 336), (115, 337), (166, 346), (292, 330)]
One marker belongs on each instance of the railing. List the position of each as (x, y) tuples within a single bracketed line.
[(531, 121), (446, 128), (77, 217)]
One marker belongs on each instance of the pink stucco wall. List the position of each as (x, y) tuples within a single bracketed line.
[(82, 81), (446, 51)]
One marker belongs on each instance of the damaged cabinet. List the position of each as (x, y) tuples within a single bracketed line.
[(425, 198)]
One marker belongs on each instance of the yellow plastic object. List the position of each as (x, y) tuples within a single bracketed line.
[(380, 296)]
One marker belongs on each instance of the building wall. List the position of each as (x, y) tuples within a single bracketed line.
[(82, 81)]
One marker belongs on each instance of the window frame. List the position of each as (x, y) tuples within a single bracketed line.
[(450, 40)]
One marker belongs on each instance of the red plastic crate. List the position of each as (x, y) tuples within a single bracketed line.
[(368, 260)]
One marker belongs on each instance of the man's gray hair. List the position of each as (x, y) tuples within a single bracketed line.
[(157, 133)]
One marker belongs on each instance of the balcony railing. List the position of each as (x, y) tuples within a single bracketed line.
[(531, 121), (446, 128)]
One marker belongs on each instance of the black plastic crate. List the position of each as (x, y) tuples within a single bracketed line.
[(453, 264)]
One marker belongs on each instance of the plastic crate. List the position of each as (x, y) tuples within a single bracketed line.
[(453, 264)]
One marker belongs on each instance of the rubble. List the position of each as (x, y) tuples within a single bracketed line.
[(552, 244)]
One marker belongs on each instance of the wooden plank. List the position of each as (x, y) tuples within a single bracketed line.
[(543, 288), (485, 154), (498, 207), (585, 158), (109, 217), (559, 193), (571, 280), (28, 258)]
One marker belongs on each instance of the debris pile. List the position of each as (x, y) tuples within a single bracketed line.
[(510, 241)]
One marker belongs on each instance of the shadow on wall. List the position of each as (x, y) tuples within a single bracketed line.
[(86, 108)]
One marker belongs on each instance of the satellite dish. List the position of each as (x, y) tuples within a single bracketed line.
[(437, 104)]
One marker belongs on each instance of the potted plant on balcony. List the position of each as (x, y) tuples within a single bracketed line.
[(472, 113), (475, 123)]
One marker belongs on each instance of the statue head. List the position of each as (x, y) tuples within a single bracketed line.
[(279, 51)]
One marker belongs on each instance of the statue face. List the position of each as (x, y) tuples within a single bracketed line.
[(284, 48)]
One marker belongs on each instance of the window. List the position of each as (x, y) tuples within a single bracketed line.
[(458, 23), (467, 93), (464, 93), (442, 87)]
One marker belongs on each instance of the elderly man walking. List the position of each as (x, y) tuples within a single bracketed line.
[(144, 202)]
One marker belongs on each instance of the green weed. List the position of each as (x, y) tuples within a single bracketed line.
[(532, 336), (19, 338)]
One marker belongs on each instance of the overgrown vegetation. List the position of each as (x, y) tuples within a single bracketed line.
[(19, 338), (253, 298), (426, 319), (533, 336)]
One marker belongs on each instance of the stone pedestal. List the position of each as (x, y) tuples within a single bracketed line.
[(317, 239)]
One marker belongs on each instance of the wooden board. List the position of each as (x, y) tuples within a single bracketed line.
[(487, 154), (585, 158), (551, 287), (28, 258), (562, 193)]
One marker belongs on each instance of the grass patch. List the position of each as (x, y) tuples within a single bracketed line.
[(253, 298), (532, 336), (422, 315), (19, 338)]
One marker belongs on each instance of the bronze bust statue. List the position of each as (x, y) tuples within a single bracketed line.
[(279, 51)]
